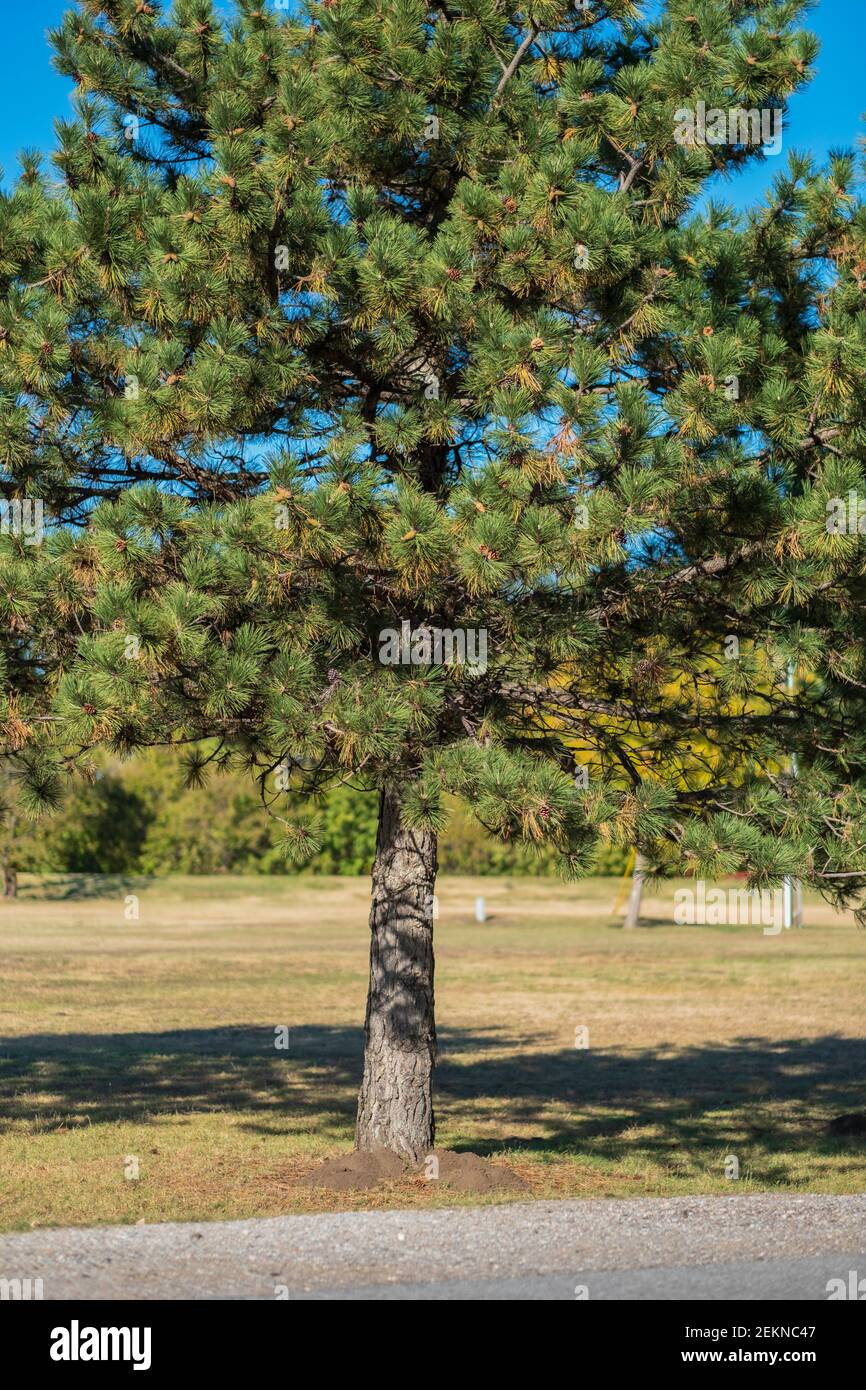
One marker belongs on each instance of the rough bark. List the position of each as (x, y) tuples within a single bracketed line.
[(10, 882), (395, 1104), (632, 912)]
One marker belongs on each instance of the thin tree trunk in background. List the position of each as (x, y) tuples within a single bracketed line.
[(395, 1104), (798, 903), (632, 912), (10, 882)]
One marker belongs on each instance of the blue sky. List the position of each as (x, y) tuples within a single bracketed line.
[(826, 115)]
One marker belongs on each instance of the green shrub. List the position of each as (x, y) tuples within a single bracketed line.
[(139, 816)]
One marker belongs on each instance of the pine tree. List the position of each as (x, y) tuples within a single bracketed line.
[(383, 332)]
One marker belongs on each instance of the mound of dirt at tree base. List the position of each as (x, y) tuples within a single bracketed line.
[(848, 1126), (459, 1172), (468, 1172), (355, 1171)]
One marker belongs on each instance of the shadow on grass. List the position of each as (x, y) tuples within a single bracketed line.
[(648, 923), (773, 1095), (69, 887)]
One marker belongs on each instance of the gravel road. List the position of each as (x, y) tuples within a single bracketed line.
[(749, 1247)]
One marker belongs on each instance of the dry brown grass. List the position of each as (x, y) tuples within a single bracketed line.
[(154, 1039)]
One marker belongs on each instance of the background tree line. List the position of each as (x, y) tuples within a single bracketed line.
[(140, 816)]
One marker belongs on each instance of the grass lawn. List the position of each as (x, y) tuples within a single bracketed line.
[(153, 1040)]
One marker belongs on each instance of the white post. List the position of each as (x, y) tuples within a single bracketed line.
[(480, 915), (632, 912)]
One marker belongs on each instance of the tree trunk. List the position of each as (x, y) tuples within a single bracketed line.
[(10, 882), (395, 1104), (632, 912)]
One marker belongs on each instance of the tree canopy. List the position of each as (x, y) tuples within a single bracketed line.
[(364, 318)]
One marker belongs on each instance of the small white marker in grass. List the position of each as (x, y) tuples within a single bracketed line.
[(480, 914)]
